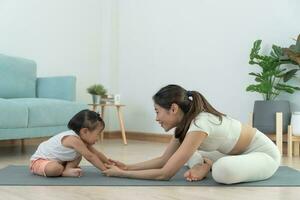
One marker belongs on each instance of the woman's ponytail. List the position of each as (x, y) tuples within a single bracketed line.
[(190, 102)]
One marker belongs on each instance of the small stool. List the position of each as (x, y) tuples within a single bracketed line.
[(120, 117)]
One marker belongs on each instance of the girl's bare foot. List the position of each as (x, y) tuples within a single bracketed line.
[(198, 171), (72, 172)]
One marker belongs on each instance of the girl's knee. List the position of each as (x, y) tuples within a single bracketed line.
[(54, 169)]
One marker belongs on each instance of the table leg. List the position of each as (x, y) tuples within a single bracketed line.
[(296, 148), (102, 116), (121, 124)]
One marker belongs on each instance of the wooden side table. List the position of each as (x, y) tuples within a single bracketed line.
[(120, 117)]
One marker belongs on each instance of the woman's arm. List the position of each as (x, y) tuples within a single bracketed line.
[(190, 144), (158, 162)]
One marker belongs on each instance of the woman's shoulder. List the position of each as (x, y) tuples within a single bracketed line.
[(204, 121), (206, 116), (209, 118)]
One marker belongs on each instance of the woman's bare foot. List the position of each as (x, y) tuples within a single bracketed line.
[(198, 171), (72, 172)]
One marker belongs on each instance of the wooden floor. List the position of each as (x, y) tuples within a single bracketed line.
[(135, 151)]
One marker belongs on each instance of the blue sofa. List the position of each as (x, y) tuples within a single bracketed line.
[(30, 106)]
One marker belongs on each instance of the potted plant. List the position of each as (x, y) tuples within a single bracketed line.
[(97, 91), (276, 70)]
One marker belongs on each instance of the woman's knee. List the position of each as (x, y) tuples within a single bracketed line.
[(224, 172), (252, 167)]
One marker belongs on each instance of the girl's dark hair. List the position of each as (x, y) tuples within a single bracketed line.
[(170, 94), (85, 119)]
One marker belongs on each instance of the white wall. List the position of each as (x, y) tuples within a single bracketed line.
[(64, 37), (202, 45), (135, 47)]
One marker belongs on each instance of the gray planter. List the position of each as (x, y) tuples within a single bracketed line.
[(264, 115), (96, 99)]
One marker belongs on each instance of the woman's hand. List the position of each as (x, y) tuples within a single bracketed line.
[(113, 171), (118, 164)]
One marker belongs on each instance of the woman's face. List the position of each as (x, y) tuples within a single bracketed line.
[(168, 119)]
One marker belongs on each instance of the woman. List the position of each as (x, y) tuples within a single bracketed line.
[(206, 140)]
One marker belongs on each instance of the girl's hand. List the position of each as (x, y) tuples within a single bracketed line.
[(118, 164), (113, 171), (109, 162)]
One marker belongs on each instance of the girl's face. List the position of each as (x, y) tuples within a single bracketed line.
[(91, 137), (168, 119)]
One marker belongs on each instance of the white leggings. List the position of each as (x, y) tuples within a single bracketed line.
[(259, 161)]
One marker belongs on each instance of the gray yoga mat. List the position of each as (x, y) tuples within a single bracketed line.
[(20, 175)]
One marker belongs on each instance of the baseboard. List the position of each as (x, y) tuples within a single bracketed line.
[(130, 135), (17, 142)]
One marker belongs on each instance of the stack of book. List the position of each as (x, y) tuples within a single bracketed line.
[(108, 99)]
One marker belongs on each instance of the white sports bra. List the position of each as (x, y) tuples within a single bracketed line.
[(221, 136)]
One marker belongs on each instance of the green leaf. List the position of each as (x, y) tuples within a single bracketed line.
[(97, 89), (277, 51), (286, 89), (254, 74), (290, 74), (289, 86), (258, 79), (255, 49), (275, 70)]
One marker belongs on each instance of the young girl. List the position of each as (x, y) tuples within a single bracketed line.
[(235, 152), (61, 154)]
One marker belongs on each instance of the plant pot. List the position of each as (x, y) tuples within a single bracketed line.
[(264, 115), (96, 99)]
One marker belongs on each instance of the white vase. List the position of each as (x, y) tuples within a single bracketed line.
[(295, 123), (117, 98)]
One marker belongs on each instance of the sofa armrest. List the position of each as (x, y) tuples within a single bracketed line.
[(60, 87)]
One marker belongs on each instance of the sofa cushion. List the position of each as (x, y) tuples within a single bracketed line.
[(57, 87), (12, 115), (49, 112), (18, 77)]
